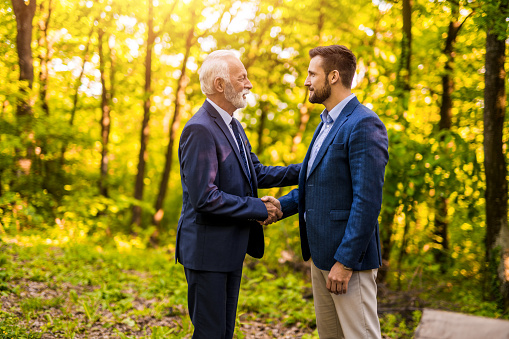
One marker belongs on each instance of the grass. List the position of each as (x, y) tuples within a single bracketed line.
[(89, 291), (83, 289)]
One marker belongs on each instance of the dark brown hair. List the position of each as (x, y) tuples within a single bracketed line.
[(337, 57)]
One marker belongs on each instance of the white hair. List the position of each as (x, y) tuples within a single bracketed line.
[(214, 66)]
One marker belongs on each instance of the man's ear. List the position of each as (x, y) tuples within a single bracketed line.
[(219, 84), (334, 77)]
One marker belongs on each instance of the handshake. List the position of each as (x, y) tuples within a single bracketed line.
[(273, 209)]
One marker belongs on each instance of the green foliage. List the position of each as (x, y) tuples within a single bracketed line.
[(396, 327), (492, 277), (9, 328)]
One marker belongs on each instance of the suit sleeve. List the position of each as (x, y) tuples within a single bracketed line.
[(199, 168), (368, 155), (290, 203), (274, 176)]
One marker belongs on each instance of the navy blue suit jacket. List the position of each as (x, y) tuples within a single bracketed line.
[(342, 196), (217, 225)]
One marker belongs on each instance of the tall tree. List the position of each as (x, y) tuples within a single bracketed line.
[(403, 87), (443, 192), (24, 11), (105, 118), (179, 103), (76, 92), (497, 231), (45, 52), (406, 50), (142, 158)]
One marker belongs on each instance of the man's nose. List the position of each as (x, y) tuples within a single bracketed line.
[(248, 84)]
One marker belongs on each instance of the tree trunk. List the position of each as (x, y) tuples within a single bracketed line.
[(404, 65), (402, 251), (179, 102), (303, 123), (406, 46), (497, 232), (306, 107), (142, 158), (24, 15), (76, 93), (45, 54), (261, 127), (447, 79), (403, 91), (105, 120), (441, 202), (386, 225)]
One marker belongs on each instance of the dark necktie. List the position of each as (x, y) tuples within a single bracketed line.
[(242, 152)]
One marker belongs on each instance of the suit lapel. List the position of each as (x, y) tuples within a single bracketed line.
[(248, 158), (250, 163), (343, 117), (304, 169), (226, 131)]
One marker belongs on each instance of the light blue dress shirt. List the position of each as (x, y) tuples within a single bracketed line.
[(328, 119)]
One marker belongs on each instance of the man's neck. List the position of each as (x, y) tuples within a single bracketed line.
[(336, 97), (220, 100)]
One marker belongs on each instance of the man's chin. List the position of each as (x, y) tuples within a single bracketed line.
[(241, 104)]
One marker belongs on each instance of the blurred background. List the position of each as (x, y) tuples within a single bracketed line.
[(94, 95)]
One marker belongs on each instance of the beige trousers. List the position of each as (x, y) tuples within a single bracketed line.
[(346, 316)]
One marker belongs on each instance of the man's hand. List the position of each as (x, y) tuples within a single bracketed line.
[(337, 281), (273, 209)]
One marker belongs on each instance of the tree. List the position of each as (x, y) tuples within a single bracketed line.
[(24, 11), (45, 54), (76, 91), (497, 230), (179, 103), (105, 117), (145, 132), (443, 192)]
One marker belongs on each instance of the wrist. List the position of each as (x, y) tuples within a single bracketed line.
[(347, 268)]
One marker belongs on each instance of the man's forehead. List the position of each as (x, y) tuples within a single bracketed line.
[(315, 64), (235, 65)]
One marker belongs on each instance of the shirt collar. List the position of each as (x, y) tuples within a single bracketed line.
[(226, 117), (329, 117)]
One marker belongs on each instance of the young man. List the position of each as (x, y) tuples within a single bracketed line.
[(220, 177), (339, 200)]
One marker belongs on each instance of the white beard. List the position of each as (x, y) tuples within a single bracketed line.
[(235, 98)]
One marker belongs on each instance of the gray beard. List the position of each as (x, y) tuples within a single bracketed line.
[(235, 98)]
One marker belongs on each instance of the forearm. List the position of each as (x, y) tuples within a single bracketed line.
[(290, 203)]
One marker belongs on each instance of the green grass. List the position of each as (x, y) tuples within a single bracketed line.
[(79, 288), (9, 328)]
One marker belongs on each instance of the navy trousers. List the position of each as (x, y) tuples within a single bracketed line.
[(212, 299)]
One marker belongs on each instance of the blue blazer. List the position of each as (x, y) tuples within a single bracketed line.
[(217, 225), (342, 196)]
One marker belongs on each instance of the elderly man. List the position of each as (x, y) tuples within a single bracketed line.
[(220, 177)]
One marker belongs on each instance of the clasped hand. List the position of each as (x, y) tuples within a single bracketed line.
[(273, 209)]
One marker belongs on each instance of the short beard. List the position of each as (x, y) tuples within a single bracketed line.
[(319, 96), (235, 98)]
